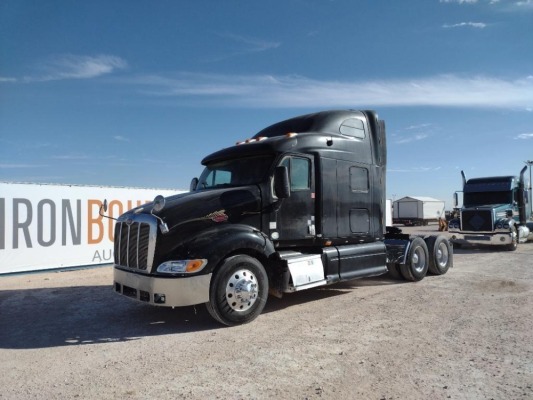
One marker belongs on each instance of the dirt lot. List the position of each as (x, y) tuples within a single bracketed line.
[(465, 335)]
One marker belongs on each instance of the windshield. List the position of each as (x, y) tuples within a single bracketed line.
[(237, 172), (486, 198)]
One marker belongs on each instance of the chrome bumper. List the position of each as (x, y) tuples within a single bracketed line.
[(169, 292), (492, 239)]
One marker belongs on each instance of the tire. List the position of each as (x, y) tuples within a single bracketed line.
[(417, 263), (514, 244), (440, 254), (239, 291), (394, 271)]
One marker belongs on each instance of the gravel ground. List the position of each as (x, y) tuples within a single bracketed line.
[(465, 335)]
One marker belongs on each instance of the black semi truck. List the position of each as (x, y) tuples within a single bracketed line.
[(299, 205)]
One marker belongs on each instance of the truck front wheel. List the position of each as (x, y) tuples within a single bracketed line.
[(239, 291), (417, 262)]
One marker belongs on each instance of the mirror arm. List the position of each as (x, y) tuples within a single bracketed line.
[(103, 209)]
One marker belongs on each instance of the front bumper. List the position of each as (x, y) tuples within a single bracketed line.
[(162, 291), (486, 238)]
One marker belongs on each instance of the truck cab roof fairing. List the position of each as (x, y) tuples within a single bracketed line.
[(313, 132), (325, 122)]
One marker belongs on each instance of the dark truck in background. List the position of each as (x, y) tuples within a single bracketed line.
[(299, 205), (496, 211)]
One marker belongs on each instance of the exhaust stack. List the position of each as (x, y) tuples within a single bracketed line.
[(522, 197)]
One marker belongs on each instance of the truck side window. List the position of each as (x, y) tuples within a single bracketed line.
[(353, 127), (299, 172), (359, 180)]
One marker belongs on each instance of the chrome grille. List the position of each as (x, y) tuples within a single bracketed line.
[(135, 243), (477, 221)]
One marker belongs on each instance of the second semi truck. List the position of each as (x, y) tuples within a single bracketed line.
[(496, 211)]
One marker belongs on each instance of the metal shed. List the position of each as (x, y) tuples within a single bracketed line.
[(417, 210)]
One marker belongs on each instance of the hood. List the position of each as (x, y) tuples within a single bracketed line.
[(499, 210), (207, 206)]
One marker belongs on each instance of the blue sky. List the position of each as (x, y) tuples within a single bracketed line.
[(135, 93)]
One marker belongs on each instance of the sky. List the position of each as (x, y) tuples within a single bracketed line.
[(136, 93)]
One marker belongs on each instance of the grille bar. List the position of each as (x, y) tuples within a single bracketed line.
[(135, 242), (477, 221)]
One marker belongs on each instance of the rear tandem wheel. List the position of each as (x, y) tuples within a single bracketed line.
[(417, 261), (440, 254)]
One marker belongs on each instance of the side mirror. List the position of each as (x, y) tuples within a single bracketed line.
[(193, 185), (103, 208), (455, 200), (159, 203), (282, 186)]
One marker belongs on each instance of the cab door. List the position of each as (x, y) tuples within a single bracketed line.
[(295, 219)]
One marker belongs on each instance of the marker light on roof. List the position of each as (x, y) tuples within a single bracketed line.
[(259, 139)]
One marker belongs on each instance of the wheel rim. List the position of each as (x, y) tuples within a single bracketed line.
[(241, 290), (442, 255), (418, 260)]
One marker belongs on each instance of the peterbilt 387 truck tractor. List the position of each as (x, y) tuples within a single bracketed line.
[(299, 205), (496, 211)]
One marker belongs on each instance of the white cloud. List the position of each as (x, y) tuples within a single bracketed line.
[(416, 169), (244, 45), (7, 79), (20, 166), (251, 44), (71, 157), (412, 138), (417, 127), (413, 133), (478, 25), (296, 91), (508, 5), (524, 3), (77, 67), (121, 138), (525, 136), (459, 1)]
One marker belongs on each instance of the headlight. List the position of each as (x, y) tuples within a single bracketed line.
[(506, 225), (182, 266), (499, 225)]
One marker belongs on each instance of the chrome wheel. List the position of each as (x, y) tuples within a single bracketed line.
[(238, 291), (418, 260), (442, 255), (241, 290)]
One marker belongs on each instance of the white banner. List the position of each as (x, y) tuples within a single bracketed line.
[(59, 226)]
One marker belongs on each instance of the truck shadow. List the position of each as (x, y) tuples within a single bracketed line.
[(81, 315), (324, 292), (37, 318), (477, 249)]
